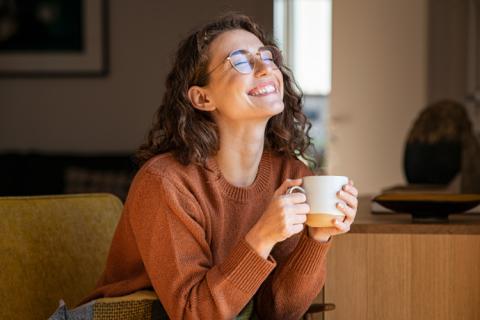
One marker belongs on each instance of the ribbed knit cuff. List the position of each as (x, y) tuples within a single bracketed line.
[(308, 255), (245, 268)]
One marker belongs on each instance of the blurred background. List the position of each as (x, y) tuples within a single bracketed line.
[(81, 80)]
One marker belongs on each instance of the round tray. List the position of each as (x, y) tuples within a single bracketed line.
[(428, 207)]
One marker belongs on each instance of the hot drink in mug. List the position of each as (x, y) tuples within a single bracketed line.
[(321, 193)]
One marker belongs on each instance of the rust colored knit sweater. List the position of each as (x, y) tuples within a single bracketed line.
[(182, 232)]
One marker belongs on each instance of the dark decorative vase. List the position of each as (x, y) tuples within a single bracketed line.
[(436, 163)]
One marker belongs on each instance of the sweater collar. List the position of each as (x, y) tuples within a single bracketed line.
[(243, 194)]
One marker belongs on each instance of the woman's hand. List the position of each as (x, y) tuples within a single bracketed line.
[(348, 206), (284, 217)]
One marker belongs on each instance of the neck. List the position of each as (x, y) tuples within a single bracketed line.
[(241, 149)]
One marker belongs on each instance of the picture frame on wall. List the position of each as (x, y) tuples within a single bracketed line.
[(54, 38)]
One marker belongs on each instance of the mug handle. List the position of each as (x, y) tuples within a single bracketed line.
[(291, 189)]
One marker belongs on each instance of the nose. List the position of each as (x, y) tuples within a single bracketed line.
[(261, 67)]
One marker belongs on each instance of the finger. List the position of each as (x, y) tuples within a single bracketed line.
[(296, 213), (287, 184), (299, 209), (342, 227), (299, 218), (296, 228), (350, 189), (296, 209), (293, 198), (349, 213), (348, 198)]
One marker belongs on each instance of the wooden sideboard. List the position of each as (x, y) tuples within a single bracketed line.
[(389, 268)]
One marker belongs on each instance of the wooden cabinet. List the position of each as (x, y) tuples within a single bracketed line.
[(390, 276)]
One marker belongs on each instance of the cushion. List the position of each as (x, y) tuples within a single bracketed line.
[(140, 305)]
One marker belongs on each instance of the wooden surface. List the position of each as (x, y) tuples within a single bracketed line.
[(394, 223), (404, 276)]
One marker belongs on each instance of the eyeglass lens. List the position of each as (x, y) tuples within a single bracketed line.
[(244, 61)]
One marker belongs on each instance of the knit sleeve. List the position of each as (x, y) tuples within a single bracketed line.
[(296, 282), (171, 237), (299, 276)]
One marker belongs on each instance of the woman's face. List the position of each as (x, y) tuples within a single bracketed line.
[(237, 96)]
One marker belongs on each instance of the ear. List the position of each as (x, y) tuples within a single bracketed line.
[(200, 99)]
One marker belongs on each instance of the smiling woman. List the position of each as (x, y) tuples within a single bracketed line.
[(200, 60), (208, 223)]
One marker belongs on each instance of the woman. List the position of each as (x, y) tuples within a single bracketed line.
[(207, 222)]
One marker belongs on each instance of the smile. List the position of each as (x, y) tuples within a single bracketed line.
[(263, 89)]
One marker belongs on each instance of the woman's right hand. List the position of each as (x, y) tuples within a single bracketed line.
[(284, 217)]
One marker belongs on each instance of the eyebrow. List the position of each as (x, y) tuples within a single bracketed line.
[(236, 51)]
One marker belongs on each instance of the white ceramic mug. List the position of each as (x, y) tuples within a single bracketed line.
[(321, 193)]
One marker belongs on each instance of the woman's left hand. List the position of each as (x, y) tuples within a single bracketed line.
[(348, 205)]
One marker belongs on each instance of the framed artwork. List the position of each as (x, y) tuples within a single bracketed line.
[(53, 38)]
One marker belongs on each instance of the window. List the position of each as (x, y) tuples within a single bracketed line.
[(303, 30)]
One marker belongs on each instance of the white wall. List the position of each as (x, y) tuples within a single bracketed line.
[(378, 87), (112, 113)]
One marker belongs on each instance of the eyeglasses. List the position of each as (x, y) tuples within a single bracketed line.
[(244, 61)]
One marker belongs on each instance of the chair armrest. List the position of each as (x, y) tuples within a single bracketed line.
[(317, 308), (320, 307)]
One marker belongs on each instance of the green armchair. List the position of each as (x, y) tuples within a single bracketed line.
[(52, 248)]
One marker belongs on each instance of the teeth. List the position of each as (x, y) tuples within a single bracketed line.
[(267, 89)]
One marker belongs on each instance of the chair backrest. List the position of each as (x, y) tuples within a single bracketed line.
[(52, 248)]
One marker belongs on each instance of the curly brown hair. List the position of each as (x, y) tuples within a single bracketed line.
[(192, 135)]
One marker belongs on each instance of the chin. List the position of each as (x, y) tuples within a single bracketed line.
[(275, 107), (268, 107)]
